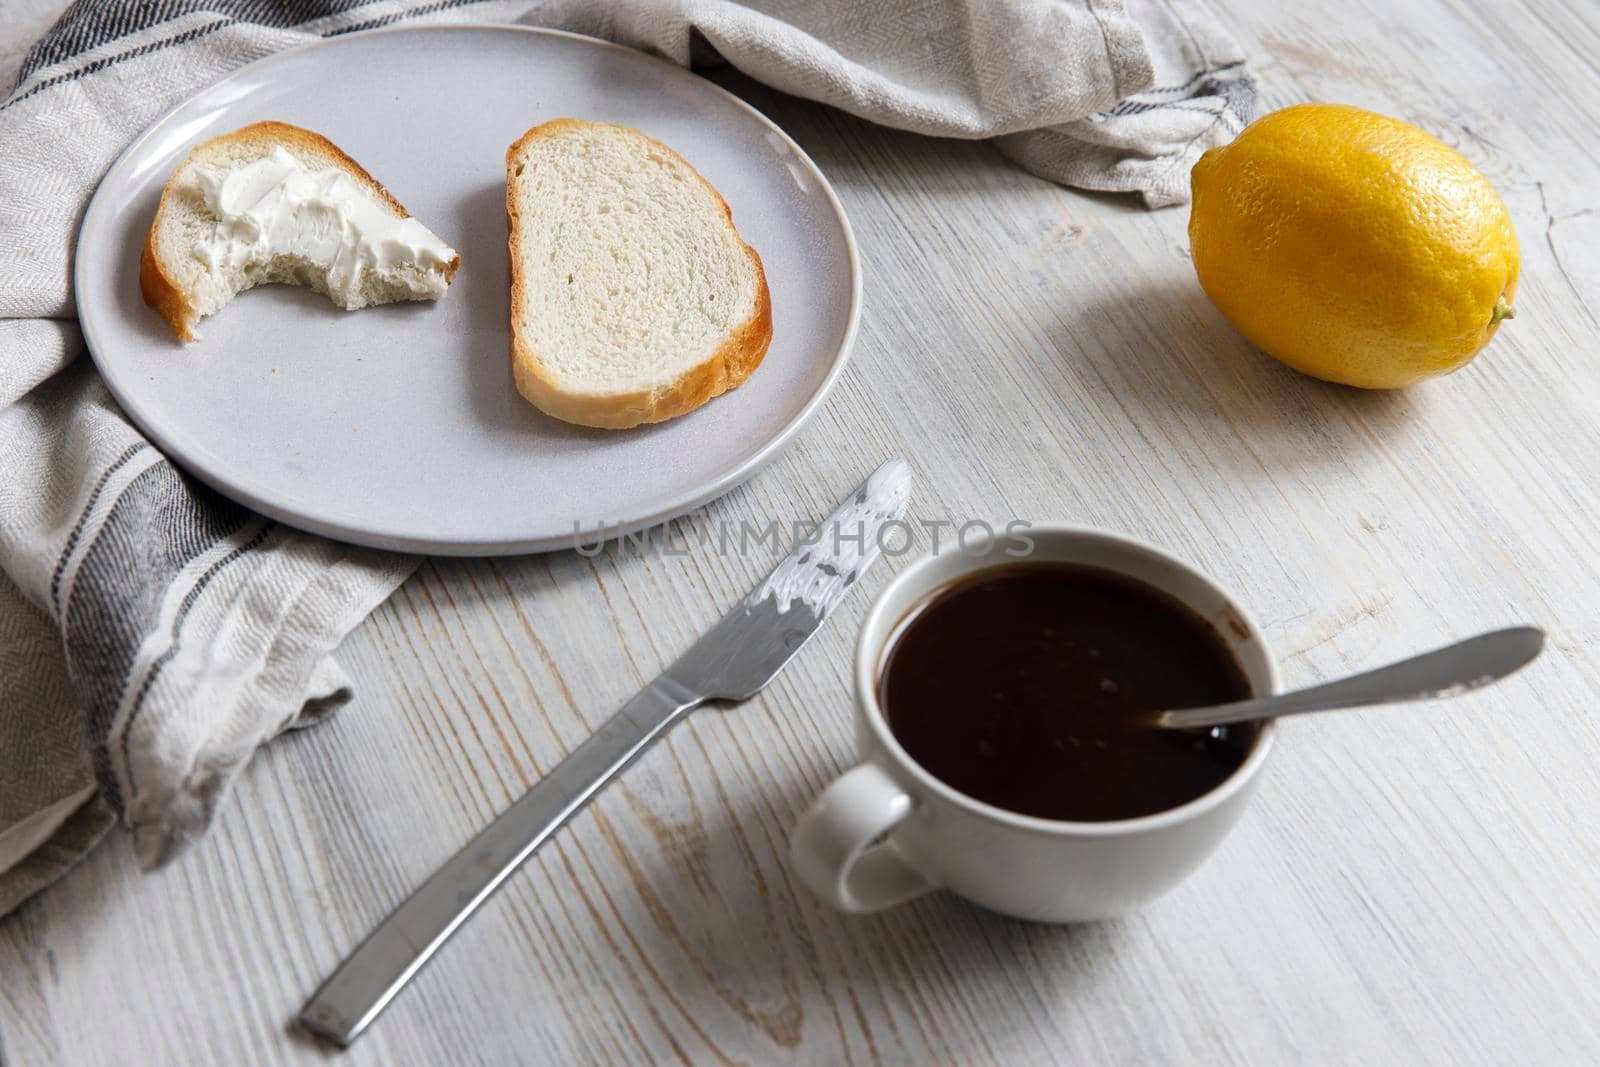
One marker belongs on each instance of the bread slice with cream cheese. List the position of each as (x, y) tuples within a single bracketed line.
[(274, 203)]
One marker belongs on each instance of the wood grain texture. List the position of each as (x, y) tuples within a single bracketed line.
[(1413, 886)]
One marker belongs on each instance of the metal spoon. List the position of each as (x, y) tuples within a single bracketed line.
[(1445, 672)]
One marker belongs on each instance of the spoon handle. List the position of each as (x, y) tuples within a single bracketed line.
[(1444, 672)]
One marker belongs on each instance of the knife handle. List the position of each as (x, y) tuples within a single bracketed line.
[(369, 978)]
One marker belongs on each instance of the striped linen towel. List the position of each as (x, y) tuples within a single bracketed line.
[(152, 633)]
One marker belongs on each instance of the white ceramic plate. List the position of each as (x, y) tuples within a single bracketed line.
[(399, 426)]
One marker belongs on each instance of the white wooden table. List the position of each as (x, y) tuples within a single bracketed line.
[(1414, 886)]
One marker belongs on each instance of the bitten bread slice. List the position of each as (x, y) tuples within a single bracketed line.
[(633, 298), (276, 203)]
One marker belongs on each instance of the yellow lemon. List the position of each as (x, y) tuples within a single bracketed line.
[(1353, 247)]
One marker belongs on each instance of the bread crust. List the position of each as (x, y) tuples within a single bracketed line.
[(161, 290), (726, 368)]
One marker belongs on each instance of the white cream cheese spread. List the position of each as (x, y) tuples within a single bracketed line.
[(277, 207)]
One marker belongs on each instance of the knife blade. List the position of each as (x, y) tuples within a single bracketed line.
[(733, 661)]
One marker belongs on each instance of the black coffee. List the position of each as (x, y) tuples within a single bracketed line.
[(1021, 685)]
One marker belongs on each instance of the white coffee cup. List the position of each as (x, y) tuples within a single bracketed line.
[(933, 836)]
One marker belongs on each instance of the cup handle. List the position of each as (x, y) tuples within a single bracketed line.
[(830, 848)]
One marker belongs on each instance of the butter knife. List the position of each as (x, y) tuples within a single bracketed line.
[(733, 661)]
